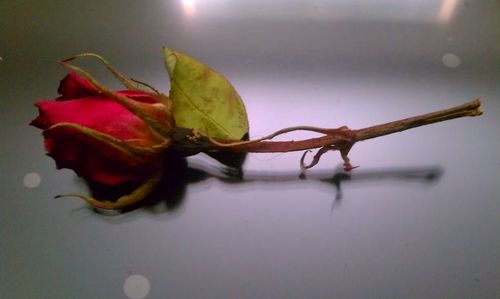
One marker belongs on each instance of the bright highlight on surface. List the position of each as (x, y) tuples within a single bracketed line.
[(451, 60), (32, 180), (446, 10), (189, 3), (136, 287), (188, 7), (430, 11)]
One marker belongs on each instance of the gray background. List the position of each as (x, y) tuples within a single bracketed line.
[(324, 63)]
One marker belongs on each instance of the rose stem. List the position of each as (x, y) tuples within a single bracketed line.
[(471, 108), (347, 136)]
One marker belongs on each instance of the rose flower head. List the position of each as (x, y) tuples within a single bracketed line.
[(109, 137)]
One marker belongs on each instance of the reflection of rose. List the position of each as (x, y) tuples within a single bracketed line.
[(90, 132)]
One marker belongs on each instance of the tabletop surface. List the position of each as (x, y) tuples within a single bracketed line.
[(418, 219)]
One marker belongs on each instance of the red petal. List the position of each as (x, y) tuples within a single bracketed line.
[(98, 113), (40, 122), (73, 86), (91, 158), (139, 96)]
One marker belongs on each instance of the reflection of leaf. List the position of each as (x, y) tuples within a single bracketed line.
[(204, 100)]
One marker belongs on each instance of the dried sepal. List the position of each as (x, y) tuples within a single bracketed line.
[(156, 115), (124, 201)]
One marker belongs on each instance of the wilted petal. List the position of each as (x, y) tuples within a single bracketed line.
[(73, 86), (92, 158), (98, 113)]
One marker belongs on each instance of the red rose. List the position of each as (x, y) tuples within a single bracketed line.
[(89, 131)]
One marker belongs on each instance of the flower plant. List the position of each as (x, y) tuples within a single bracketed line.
[(123, 137)]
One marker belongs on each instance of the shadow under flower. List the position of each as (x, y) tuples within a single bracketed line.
[(169, 194), (425, 175)]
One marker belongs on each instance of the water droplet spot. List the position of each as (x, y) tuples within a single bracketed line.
[(451, 60), (32, 180), (136, 287)]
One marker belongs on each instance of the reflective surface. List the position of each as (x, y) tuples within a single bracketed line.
[(418, 219)]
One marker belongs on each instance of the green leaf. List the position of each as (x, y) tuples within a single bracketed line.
[(204, 100)]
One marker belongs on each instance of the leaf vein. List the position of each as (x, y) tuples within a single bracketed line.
[(203, 113)]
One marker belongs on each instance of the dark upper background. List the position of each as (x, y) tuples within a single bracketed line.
[(323, 63)]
